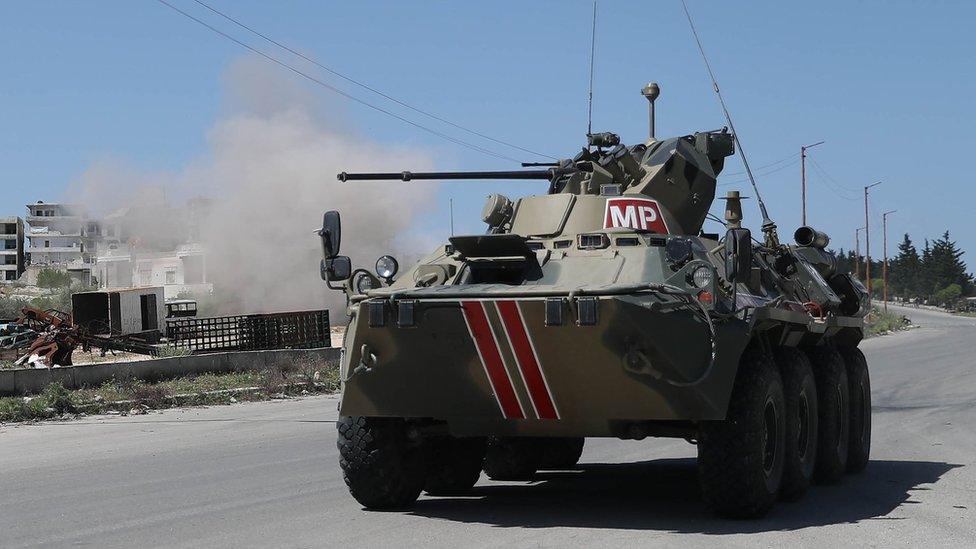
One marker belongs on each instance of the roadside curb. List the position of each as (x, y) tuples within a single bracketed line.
[(33, 381)]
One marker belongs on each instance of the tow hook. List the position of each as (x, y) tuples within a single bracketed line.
[(366, 358), (636, 361)]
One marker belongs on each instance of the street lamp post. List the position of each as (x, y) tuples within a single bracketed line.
[(857, 252), (884, 233), (867, 241)]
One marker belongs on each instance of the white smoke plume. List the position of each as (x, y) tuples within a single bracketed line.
[(270, 169)]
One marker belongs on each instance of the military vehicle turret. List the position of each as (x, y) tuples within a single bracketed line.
[(603, 309)]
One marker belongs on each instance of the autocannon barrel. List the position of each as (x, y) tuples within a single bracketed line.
[(408, 176)]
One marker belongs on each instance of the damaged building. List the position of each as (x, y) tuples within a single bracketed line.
[(142, 245), (154, 246), (59, 237)]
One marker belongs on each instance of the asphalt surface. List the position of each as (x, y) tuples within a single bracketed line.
[(266, 475)]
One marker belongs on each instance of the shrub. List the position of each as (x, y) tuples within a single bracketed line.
[(272, 378), (149, 395), (12, 409), (58, 398), (10, 307), (53, 278)]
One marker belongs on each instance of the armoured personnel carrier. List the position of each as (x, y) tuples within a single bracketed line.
[(602, 309)]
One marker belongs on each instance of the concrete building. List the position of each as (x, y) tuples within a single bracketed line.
[(11, 248), (141, 245), (119, 265), (154, 246), (60, 237)]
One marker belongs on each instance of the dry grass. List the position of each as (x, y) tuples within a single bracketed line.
[(880, 322), (127, 395)]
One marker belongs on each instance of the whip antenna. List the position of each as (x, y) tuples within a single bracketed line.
[(768, 226), (589, 114)]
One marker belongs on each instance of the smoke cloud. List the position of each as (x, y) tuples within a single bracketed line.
[(270, 170)]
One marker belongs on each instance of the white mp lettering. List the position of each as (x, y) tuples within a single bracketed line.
[(647, 217), (623, 217)]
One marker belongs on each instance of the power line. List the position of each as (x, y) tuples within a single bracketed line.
[(760, 173), (780, 161), (825, 174), (832, 185), (365, 86), (329, 87)]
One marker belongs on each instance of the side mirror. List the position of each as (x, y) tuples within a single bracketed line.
[(738, 253), (330, 233), (336, 268)]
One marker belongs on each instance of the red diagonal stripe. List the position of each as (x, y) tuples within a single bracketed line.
[(491, 358), (524, 354)]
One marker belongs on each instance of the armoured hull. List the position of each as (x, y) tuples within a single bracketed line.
[(603, 308), (515, 364)]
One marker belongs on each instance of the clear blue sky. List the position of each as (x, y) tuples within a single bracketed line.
[(888, 85)]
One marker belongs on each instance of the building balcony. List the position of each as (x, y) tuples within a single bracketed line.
[(79, 265), (38, 232), (53, 249), (46, 219)]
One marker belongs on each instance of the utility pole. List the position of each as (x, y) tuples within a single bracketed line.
[(867, 241), (884, 276), (803, 177), (857, 252)]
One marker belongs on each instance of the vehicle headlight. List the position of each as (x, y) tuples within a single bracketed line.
[(387, 267), (702, 277), (364, 283)]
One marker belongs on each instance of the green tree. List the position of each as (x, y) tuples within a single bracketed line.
[(947, 267), (903, 270), (926, 276), (52, 278), (949, 295)]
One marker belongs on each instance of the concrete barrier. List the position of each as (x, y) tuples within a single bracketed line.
[(31, 381)]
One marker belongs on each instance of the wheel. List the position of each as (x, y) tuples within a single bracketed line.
[(740, 459), (381, 467), (513, 458), (561, 452), (859, 386), (800, 396), (833, 405), (453, 464)]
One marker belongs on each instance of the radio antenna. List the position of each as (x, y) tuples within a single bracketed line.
[(589, 114), (768, 226)]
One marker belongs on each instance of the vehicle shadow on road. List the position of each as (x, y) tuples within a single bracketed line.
[(664, 495)]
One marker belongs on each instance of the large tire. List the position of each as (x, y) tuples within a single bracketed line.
[(859, 385), (561, 452), (453, 464), (833, 409), (381, 467), (740, 459), (800, 395), (513, 458)]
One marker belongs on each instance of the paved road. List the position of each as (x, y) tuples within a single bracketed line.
[(265, 475)]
